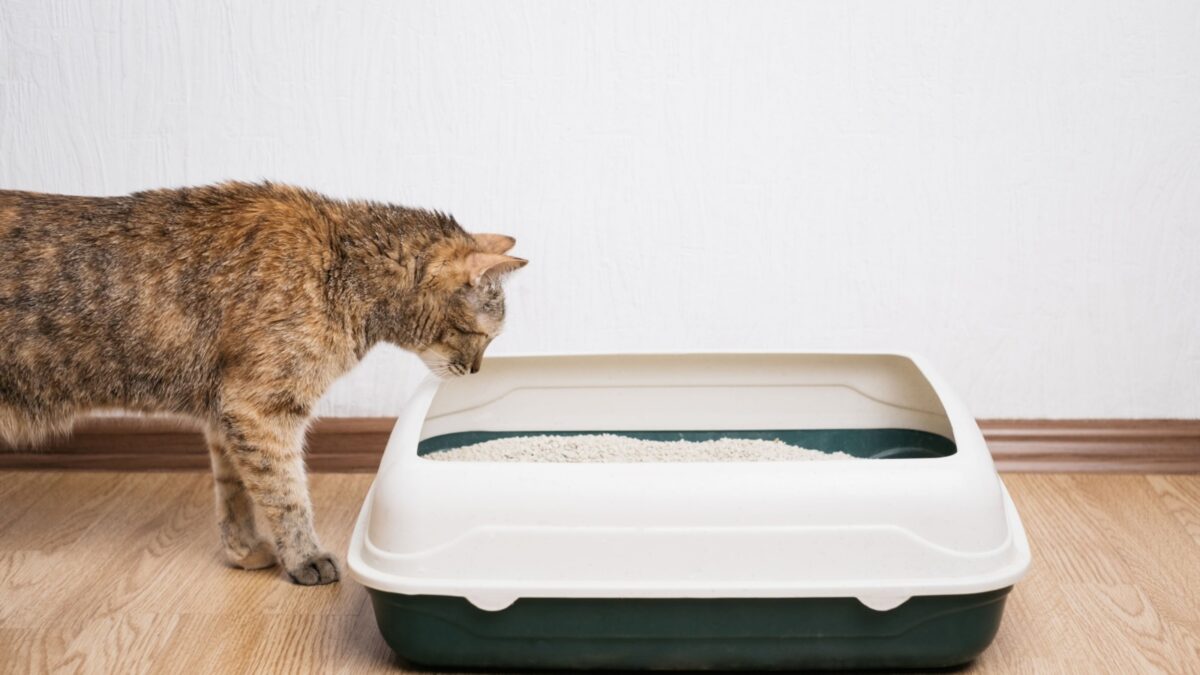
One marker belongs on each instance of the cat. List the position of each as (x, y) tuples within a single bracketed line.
[(237, 305)]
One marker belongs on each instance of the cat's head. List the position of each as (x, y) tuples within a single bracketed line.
[(472, 304)]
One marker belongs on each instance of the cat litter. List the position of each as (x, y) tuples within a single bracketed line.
[(613, 448), (566, 527)]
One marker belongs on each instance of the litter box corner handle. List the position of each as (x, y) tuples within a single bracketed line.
[(406, 434), (967, 434)]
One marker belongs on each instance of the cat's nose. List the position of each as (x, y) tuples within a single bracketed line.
[(476, 364)]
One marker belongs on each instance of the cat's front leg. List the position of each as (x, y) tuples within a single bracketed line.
[(243, 546), (267, 451)]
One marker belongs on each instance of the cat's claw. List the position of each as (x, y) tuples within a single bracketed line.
[(318, 569)]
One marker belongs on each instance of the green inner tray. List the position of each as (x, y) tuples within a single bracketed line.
[(688, 634), (865, 443)]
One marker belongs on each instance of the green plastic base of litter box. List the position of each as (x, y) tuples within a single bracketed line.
[(688, 634)]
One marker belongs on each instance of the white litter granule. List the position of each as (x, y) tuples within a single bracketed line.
[(613, 448)]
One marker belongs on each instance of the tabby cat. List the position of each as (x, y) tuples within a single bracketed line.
[(237, 305)]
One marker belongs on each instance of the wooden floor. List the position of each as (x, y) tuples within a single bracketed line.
[(121, 572)]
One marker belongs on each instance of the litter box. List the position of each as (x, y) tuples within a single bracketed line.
[(898, 558)]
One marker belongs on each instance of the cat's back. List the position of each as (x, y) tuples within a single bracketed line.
[(102, 296), (27, 216), (186, 246), (38, 228), (151, 228), (224, 249), (66, 261)]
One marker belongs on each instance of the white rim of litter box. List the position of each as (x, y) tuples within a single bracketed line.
[(955, 411), (499, 594)]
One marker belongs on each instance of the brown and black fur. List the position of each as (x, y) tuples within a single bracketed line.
[(236, 305)]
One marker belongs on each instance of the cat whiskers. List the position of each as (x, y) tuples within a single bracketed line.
[(442, 367)]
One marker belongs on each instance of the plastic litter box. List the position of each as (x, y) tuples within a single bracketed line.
[(900, 559)]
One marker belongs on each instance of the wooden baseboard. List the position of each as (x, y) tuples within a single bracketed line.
[(346, 444), (355, 445), (1113, 446)]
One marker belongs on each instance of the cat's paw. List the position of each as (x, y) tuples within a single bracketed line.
[(256, 557), (320, 568)]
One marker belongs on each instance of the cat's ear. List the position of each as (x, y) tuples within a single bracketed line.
[(480, 266), (494, 243)]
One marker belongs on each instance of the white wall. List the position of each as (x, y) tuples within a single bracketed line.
[(1011, 188)]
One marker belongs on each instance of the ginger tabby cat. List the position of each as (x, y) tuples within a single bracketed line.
[(236, 305)]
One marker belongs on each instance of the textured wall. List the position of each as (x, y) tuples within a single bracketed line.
[(1010, 188)]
